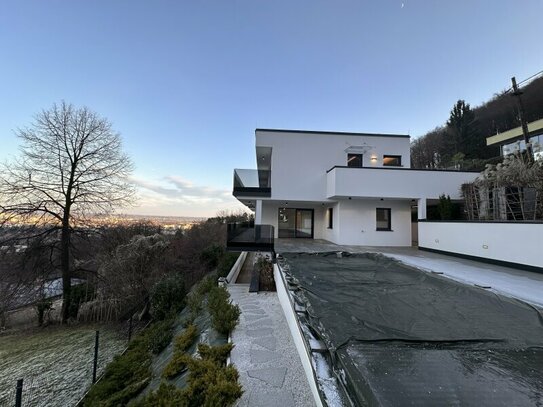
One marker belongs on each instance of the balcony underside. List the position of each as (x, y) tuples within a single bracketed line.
[(252, 192)]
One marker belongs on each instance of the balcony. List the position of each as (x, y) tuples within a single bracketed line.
[(245, 236), (252, 183), (388, 182)]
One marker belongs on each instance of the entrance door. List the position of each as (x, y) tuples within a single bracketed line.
[(295, 223)]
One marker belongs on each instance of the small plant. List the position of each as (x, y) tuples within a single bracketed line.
[(124, 377), (210, 383), (224, 314), (43, 307), (217, 354), (265, 267), (159, 335), (445, 207), (182, 343), (167, 395)]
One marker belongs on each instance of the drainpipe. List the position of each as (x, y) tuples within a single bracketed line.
[(421, 208)]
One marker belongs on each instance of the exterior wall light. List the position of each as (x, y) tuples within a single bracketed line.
[(373, 158)]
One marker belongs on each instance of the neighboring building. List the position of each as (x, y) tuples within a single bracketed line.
[(512, 141), (347, 188)]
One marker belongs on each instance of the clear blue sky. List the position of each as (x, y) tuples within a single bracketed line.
[(187, 82)]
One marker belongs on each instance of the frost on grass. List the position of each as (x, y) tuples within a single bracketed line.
[(55, 363)]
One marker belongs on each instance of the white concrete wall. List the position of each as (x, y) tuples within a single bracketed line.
[(300, 160), (512, 242), (395, 183), (357, 223)]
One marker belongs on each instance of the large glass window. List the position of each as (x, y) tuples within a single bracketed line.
[(354, 160), (294, 222), (392, 160), (383, 219)]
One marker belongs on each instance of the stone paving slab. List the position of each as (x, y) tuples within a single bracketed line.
[(269, 366)]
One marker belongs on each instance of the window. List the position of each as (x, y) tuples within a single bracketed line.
[(330, 218), (354, 160), (392, 160), (383, 219)]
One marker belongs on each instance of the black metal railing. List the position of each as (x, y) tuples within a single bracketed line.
[(252, 183), (246, 236)]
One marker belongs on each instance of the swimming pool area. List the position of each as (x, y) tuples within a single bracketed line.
[(395, 334)]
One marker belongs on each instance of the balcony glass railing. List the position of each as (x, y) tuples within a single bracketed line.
[(246, 236), (252, 183)]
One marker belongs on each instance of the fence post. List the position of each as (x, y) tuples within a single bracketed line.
[(95, 356), (19, 393)]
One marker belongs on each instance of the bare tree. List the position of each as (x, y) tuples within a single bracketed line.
[(71, 166)]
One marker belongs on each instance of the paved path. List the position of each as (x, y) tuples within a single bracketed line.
[(270, 368)]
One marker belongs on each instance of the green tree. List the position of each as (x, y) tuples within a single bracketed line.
[(463, 135)]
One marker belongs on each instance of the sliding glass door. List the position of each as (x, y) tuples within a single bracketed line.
[(295, 222)]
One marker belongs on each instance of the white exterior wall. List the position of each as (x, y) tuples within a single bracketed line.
[(395, 183), (357, 223), (511, 242), (300, 160)]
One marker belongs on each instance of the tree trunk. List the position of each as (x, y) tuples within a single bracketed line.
[(66, 272)]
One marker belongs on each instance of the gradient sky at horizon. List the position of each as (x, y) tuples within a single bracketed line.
[(187, 82)]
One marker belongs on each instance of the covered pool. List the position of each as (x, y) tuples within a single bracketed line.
[(397, 335)]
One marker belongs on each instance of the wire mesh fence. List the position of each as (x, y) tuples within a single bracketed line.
[(56, 365)]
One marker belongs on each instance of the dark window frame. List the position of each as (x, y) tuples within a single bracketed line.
[(398, 157), (330, 218), (387, 229), (350, 156)]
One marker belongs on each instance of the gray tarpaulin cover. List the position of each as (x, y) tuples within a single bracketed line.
[(407, 337)]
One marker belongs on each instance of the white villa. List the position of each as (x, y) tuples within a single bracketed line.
[(346, 188)]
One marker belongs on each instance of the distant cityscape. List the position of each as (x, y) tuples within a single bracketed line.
[(166, 222)]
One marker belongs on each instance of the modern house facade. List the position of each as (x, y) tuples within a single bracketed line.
[(512, 141), (346, 188)]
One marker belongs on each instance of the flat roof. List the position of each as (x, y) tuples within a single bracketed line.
[(339, 133)]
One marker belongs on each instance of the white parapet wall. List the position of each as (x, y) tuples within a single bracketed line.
[(236, 268), (296, 332), (512, 242)]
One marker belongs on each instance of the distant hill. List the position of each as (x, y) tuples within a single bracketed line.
[(499, 114)]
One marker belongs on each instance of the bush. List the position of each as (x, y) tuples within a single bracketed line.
[(265, 268), (43, 307), (182, 343), (226, 263), (124, 377), (128, 374), (167, 395), (224, 314), (159, 335), (217, 354), (210, 383), (211, 255), (79, 294), (168, 296)]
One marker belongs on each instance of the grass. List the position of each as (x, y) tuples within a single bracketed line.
[(55, 362)]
